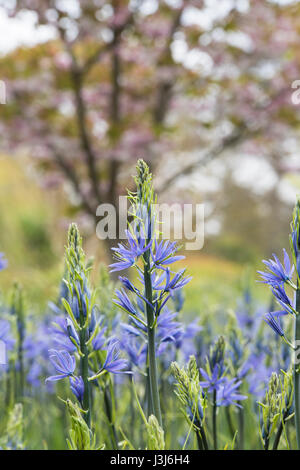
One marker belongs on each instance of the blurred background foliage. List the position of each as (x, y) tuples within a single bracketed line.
[(202, 93)]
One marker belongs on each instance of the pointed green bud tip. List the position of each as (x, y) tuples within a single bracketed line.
[(143, 179), (193, 372), (175, 369), (74, 238), (143, 171)]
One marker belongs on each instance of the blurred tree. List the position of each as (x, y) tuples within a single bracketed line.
[(145, 78), (254, 227)]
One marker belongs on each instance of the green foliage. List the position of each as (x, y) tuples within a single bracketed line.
[(37, 239), (13, 438), (80, 434), (235, 249)]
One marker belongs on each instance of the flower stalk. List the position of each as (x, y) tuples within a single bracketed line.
[(17, 309), (152, 260), (295, 247), (154, 392), (214, 420), (297, 370)]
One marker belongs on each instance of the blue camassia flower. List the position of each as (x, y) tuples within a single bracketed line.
[(282, 298), (178, 299), (270, 319), (5, 335), (167, 284), (126, 255), (63, 363), (170, 334), (81, 293), (124, 302), (186, 341), (34, 374), (167, 327), (3, 262), (99, 340), (77, 387), (164, 253), (63, 330), (228, 394), (279, 273), (135, 347), (113, 363), (214, 380)]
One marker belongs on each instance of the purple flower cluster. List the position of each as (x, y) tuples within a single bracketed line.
[(276, 277)]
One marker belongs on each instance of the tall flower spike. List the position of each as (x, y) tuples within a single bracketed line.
[(295, 246), (158, 283), (79, 307), (295, 237), (277, 277)]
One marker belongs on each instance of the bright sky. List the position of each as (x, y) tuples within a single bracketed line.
[(21, 30)]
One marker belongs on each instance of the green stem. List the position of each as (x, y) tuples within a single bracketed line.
[(279, 432), (132, 410), (266, 446), (151, 340), (229, 421), (148, 392), (215, 438), (296, 370), (241, 428), (109, 414), (201, 434), (199, 440), (21, 360), (84, 366)]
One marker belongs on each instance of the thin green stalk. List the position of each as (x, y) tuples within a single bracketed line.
[(202, 436), (297, 371), (151, 341), (21, 360), (109, 414), (215, 437), (18, 310), (279, 432), (84, 366), (132, 410), (199, 440), (229, 421), (266, 445), (148, 390), (241, 428)]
